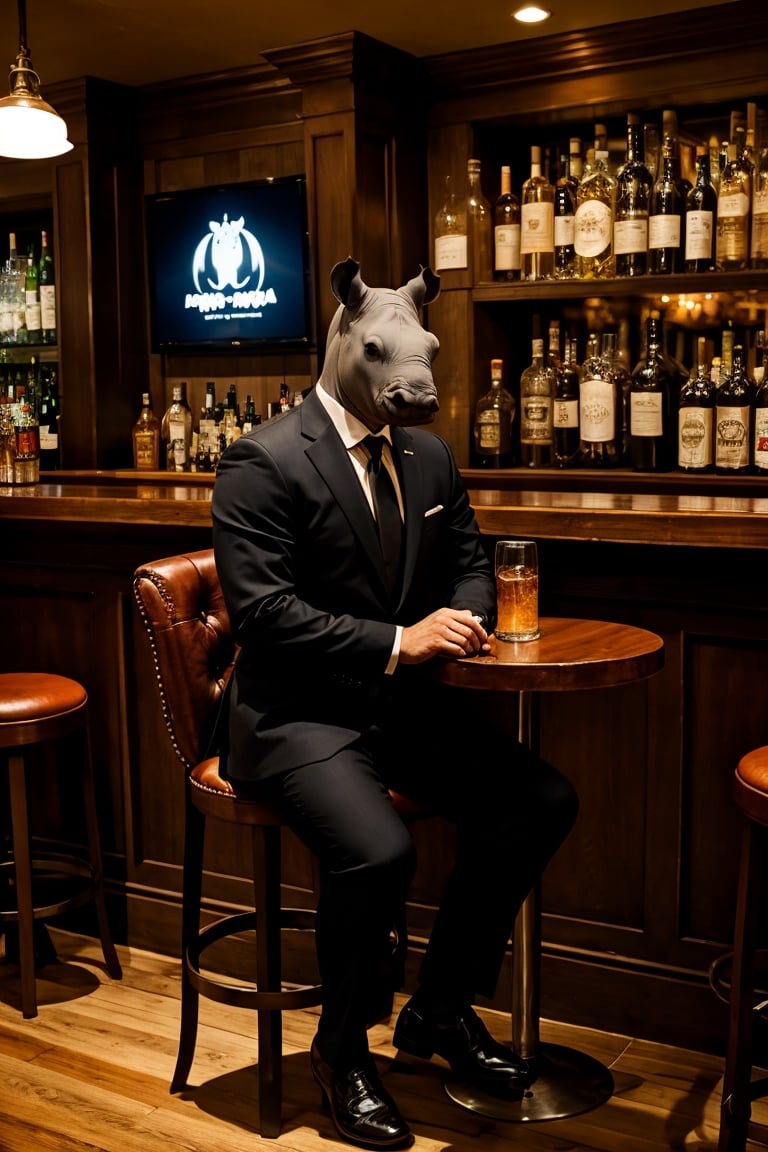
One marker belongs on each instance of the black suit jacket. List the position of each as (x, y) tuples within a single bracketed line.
[(302, 574)]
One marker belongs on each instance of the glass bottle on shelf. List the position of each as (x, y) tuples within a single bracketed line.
[(666, 214), (565, 405), (733, 417), (32, 301), (564, 209), (695, 416), (651, 441), (479, 225), (593, 223), (451, 231), (7, 442), (146, 438), (614, 358), (506, 216), (537, 388), (758, 253), (27, 464), (494, 413), (47, 285), (176, 431), (760, 438), (50, 448), (700, 217), (537, 236), (733, 209), (249, 414), (634, 187), (207, 436), (598, 410)]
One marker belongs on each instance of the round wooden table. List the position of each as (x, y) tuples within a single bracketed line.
[(569, 655)]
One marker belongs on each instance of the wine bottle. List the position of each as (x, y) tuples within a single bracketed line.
[(47, 287), (451, 231), (506, 215), (479, 225), (537, 388), (621, 377), (537, 214), (565, 406), (700, 216), (695, 416), (207, 435), (634, 187), (564, 209), (760, 438), (27, 465), (146, 438), (494, 413), (666, 215), (733, 418), (176, 431), (758, 253), (32, 301), (50, 449), (598, 410), (249, 414), (733, 208), (593, 223), (651, 441)]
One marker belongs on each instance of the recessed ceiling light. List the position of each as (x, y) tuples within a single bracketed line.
[(531, 14)]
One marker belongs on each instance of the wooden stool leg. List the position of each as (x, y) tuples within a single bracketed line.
[(23, 876), (266, 882), (94, 849), (191, 899), (735, 1110)]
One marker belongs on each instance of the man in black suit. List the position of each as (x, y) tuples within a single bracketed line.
[(331, 707)]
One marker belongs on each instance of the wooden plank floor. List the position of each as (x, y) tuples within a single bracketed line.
[(91, 1072)]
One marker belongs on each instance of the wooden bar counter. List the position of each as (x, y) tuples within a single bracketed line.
[(640, 899)]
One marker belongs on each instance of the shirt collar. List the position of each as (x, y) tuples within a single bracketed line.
[(350, 429)]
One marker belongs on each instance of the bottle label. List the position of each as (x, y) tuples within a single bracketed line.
[(630, 236), (536, 420), (47, 306), (732, 204), (761, 438), (759, 249), (507, 247), (565, 230), (597, 410), (489, 431), (49, 441), (646, 414), (450, 252), (698, 235), (146, 446), (565, 413), (593, 227), (33, 312), (731, 437), (28, 441), (537, 228), (694, 438), (664, 232)]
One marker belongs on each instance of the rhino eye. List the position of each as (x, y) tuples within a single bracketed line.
[(373, 350)]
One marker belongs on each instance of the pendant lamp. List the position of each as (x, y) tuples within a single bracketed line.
[(30, 129)]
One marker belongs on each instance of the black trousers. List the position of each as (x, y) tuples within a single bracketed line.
[(511, 812)]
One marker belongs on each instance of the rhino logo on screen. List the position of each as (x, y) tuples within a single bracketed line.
[(231, 252)]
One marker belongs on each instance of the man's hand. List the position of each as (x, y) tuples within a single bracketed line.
[(449, 632)]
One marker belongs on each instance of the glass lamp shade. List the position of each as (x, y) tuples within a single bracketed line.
[(30, 129)]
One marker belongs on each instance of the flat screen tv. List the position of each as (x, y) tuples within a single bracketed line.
[(229, 267)]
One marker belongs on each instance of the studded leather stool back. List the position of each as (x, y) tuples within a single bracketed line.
[(39, 708)]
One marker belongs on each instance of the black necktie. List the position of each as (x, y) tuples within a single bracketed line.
[(386, 509)]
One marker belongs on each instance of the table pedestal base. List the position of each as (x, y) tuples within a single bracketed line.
[(568, 1083)]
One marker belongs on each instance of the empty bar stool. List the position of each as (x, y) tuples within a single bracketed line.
[(739, 1090), (37, 708)]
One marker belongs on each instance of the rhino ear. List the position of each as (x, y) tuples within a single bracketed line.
[(424, 288), (346, 283)]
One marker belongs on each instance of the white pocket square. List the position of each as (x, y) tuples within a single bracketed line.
[(431, 511)]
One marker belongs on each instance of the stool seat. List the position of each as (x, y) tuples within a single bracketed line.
[(40, 708)]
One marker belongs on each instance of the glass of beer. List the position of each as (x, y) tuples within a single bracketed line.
[(517, 590)]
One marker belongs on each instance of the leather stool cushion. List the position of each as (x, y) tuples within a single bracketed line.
[(37, 706), (751, 785)]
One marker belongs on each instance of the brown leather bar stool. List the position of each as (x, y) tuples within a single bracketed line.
[(739, 1090), (38, 708), (182, 607)]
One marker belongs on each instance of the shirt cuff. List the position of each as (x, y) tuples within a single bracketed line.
[(395, 651)]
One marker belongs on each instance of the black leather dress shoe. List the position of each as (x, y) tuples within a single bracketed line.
[(362, 1110), (467, 1045)]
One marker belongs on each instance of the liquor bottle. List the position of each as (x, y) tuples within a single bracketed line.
[(47, 286), (634, 187), (27, 465), (176, 431), (669, 131), (564, 209), (727, 340), (565, 406), (537, 230), (666, 215), (575, 164), (249, 415), (598, 410), (207, 437), (615, 360), (713, 150), (652, 436), (593, 226), (700, 217), (146, 438), (758, 252), (760, 438), (32, 301), (733, 418), (451, 231), (733, 208), (494, 414), (230, 424), (537, 389), (695, 415), (7, 442), (506, 232), (479, 225), (50, 449)]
